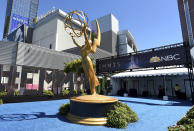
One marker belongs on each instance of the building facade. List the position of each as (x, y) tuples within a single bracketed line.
[(30, 69), (186, 12), (49, 32), (109, 27), (19, 12), (126, 43), (113, 40)]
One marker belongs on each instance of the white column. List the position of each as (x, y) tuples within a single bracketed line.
[(188, 22)]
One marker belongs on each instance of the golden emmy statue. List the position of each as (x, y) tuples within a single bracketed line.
[(88, 109), (89, 46)]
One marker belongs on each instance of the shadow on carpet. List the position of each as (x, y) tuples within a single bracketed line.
[(35, 115), (170, 103)]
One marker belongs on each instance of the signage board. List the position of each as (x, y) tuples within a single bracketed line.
[(166, 57), (17, 35), (158, 58), (114, 64), (17, 21)]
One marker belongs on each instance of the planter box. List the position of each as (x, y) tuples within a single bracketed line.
[(16, 99)]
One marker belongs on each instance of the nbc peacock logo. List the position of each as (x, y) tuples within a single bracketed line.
[(154, 59)]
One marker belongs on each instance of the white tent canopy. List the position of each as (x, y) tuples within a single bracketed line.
[(161, 72)]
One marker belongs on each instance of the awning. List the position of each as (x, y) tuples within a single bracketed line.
[(160, 72)]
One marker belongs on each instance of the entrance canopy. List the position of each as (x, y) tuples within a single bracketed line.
[(162, 72)]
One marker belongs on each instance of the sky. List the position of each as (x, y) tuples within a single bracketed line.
[(152, 23)]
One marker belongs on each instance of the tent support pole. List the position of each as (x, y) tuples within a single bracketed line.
[(191, 79), (164, 80)]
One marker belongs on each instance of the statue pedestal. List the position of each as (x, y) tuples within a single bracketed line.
[(90, 109)]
